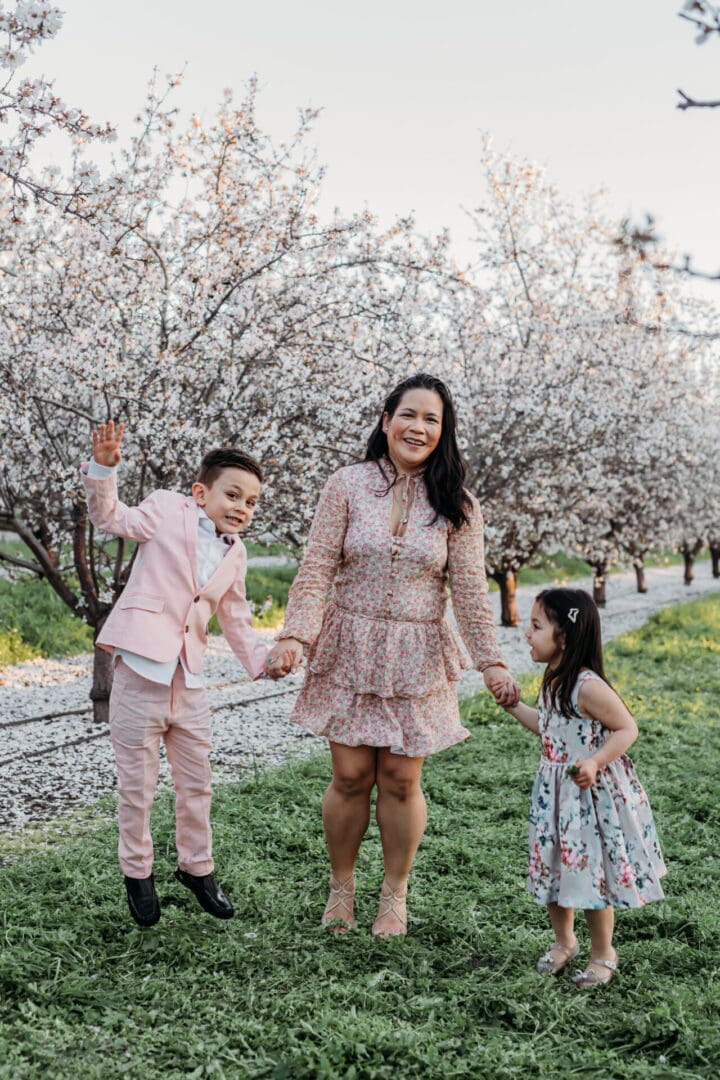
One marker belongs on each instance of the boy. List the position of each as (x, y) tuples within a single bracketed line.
[(190, 563)]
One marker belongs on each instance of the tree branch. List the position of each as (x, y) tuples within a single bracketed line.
[(35, 567), (691, 103)]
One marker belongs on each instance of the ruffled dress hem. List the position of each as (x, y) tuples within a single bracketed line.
[(416, 727), (383, 683)]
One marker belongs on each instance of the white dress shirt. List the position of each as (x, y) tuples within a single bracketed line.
[(211, 550)]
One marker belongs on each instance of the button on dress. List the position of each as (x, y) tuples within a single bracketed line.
[(370, 608)]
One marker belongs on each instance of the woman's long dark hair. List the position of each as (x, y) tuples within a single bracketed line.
[(574, 614), (444, 471)]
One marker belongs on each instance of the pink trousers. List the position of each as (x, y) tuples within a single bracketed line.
[(141, 714)]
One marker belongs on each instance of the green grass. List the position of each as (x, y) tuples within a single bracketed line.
[(34, 616), (262, 583), (83, 992), (255, 548)]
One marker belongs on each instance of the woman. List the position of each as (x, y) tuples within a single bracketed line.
[(382, 661)]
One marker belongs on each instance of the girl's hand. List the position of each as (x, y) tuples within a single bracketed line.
[(584, 773), (106, 445), (501, 685)]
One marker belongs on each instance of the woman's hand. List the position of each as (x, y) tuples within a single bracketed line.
[(274, 669), (285, 657), (501, 685), (585, 773), (106, 445)]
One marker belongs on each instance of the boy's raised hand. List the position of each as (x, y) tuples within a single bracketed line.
[(106, 444)]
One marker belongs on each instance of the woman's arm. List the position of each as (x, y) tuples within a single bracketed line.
[(599, 702), (323, 552), (473, 608)]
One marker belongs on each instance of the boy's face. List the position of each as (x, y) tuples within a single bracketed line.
[(230, 500)]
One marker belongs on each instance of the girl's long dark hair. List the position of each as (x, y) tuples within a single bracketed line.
[(445, 470), (574, 614)]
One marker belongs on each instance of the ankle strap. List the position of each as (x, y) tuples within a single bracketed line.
[(342, 886)]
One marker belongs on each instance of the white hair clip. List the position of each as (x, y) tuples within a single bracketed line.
[(573, 614)]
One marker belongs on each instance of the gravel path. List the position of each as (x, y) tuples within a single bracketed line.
[(53, 759)]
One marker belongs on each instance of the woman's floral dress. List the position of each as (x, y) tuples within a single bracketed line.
[(370, 608), (594, 847)]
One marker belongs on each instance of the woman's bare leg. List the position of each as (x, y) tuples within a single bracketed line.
[(346, 815), (402, 817)]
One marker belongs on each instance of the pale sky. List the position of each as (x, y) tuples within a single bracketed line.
[(408, 86)]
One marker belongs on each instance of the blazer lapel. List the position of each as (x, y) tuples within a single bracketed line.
[(227, 568), (191, 538)]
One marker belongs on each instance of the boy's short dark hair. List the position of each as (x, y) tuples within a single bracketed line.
[(226, 457)]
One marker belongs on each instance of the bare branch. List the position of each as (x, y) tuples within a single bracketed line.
[(23, 563), (692, 103)]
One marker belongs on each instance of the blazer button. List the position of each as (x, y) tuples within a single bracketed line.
[(187, 629), (196, 600)]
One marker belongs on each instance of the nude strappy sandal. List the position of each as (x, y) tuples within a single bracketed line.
[(391, 903), (588, 979), (342, 894), (552, 964)]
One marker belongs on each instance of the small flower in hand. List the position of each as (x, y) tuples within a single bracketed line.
[(584, 773)]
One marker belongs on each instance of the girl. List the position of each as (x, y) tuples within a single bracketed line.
[(593, 843)]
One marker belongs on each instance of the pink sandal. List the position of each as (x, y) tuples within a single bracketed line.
[(342, 894), (589, 979), (551, 963), (391, 903)]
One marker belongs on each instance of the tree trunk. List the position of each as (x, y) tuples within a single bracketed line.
[(599, 579), (102, 685), (715, 556), (640, 574), (507, 581), (688, 554)]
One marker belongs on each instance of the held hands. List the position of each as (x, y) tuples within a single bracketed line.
[(284, 659), (501, 685), (106, 445), (584, 773)]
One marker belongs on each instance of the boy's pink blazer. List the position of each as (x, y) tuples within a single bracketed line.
[(162, 610)]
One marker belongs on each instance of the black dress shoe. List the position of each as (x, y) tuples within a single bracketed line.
[(142, 900), (209, 894)]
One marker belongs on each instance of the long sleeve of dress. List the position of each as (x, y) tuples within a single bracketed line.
[(469, 590), (323, 553)]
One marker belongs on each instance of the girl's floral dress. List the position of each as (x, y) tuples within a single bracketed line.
[(370, 608), (594, 847)]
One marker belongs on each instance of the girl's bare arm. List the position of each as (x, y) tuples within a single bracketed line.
[(528, 717), (599, 702)]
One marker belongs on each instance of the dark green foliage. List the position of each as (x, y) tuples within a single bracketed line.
[(41, 620), (84, 993), (261, 583)]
